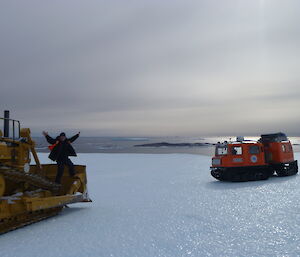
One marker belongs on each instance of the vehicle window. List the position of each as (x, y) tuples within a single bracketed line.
[(221, 151), (286, 148), (236, 150), (253, 149)]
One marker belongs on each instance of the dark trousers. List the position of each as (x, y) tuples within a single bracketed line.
[(60, 168)]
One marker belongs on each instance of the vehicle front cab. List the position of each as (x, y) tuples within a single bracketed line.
[(238, 154)]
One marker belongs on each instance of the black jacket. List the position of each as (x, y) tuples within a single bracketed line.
[(62, 149)]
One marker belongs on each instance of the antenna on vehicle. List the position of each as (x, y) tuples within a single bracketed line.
[(240, 139)]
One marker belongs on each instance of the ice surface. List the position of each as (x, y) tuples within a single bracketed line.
[(166, 205)]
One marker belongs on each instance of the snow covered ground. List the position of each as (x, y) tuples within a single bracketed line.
[(166, 205)]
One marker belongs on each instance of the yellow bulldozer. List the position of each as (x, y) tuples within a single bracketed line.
[(28, 193)]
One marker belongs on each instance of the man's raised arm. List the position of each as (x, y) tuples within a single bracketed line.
[(73, 138), (49, 139)]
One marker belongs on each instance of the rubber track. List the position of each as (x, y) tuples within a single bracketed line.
[(242, 174)]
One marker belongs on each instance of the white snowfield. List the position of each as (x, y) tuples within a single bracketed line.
[(166, 205)]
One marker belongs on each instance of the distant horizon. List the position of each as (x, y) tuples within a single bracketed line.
[(94, 133), (145, 137)]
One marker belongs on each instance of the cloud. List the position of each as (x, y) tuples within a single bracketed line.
[(151, 67)]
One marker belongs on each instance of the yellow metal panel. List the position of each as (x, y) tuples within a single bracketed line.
[(34, 204)]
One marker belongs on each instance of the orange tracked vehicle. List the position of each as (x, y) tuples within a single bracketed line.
[(28, 193), (245, 160)]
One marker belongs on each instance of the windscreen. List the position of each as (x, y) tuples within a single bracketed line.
[(221, 150)]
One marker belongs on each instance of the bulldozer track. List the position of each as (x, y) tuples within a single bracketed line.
[(27, 218), (36, 180)]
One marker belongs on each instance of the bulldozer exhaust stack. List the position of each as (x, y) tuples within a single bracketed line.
[(6, 124)]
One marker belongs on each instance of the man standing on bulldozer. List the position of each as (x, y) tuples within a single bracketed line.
[(61, 149)]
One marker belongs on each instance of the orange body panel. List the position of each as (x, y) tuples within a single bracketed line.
[(279, 152), (242, 158)]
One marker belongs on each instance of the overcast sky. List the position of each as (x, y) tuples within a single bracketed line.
[(148, 68)]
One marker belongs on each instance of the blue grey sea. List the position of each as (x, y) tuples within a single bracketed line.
[(198, 145)]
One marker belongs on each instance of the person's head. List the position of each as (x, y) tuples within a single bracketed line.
[(62, 136)]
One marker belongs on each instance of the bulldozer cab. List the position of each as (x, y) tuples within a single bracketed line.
[(11, 128), (16, 144)]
